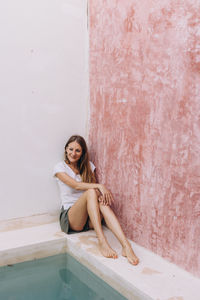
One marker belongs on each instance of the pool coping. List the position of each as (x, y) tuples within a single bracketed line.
[(154, 278), (62, 243)]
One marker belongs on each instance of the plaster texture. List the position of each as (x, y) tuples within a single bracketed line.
[(145, 120)]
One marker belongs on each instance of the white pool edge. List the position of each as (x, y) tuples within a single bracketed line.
[(154, 278)]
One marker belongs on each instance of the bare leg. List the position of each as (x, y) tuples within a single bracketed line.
[(113, 224), (86, 205)]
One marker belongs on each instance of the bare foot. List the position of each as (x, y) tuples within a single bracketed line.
[(127, 251), (106, 250)]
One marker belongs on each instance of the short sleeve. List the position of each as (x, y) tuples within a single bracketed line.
[(92, 166), (59, 167)]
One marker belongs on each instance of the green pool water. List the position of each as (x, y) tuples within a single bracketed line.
[(58, 277)]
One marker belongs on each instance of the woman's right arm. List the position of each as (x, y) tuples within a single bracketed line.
[(83, 186), (76, 184)]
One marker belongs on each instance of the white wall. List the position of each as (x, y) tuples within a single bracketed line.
[(43, 97)]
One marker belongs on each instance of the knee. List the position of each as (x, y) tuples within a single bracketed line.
[(104, 208), (91, 193)]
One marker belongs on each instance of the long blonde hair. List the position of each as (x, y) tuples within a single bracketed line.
[(83, 164)]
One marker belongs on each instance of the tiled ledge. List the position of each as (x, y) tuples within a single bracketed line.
[(154, 278)]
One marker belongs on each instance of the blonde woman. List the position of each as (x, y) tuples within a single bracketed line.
[(85, 202)]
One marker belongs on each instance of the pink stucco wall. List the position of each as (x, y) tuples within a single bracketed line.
[(145, 120)]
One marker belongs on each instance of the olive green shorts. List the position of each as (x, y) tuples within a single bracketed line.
[(64, 222)]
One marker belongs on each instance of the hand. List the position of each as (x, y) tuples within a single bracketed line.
[(106, 197), (99, 196)]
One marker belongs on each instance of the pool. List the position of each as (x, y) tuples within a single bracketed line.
[(58, 277)]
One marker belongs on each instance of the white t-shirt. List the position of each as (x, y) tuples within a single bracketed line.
[(68, 195)]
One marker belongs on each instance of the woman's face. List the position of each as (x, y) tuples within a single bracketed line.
[(73, 152)]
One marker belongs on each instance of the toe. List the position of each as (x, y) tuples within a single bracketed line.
[(135, 261)]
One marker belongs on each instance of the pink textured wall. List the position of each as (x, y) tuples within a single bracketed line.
[(145, 120)]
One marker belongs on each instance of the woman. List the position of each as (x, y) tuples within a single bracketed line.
[(85, 202)]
